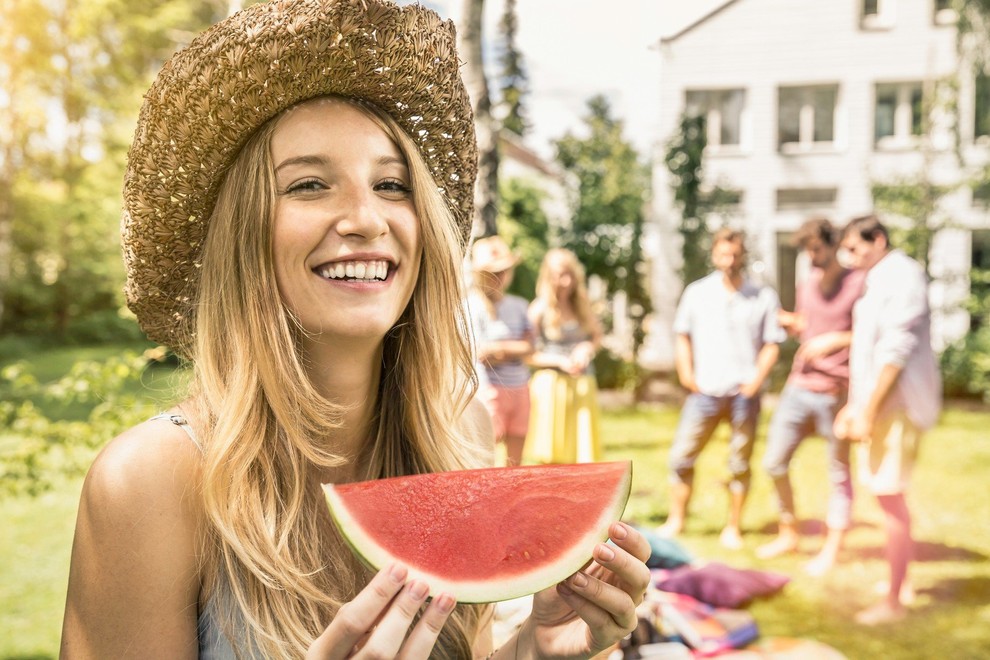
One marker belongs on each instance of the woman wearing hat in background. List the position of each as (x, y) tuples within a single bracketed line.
[(296, 199), (503, 340)]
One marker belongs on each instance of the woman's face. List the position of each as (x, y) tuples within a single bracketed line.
[(560, 276), (346, 236)]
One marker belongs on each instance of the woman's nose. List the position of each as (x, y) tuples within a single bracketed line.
[(361, 215)]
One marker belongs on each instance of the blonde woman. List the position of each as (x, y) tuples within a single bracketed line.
[(295, 206), (564, 411)]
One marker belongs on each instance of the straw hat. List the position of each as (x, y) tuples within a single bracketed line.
[(492, 255), (212, 95)]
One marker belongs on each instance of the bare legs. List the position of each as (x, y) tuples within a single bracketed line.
[(514, 449), (680, 495), (897, 520), (731, 536)]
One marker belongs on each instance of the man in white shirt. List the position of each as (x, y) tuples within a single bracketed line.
[(895, 391), (727, 342)]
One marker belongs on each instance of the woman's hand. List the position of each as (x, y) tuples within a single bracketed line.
[(595, 607), (376, 623), (580, 357)]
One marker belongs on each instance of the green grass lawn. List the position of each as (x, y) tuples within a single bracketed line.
[(951, 618)]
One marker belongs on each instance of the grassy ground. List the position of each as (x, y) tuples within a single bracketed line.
[(951, 618)]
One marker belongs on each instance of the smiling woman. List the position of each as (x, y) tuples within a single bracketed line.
[(294, 222)]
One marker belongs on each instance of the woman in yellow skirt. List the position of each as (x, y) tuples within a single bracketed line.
[(563, 423)]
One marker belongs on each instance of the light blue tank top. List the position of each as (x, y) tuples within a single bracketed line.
[(213, 644)]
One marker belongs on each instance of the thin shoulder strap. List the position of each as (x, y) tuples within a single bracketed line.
[(181, 422)]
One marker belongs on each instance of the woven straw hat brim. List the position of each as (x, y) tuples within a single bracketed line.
[(211, 96)]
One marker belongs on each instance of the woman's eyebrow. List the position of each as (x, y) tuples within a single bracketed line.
[(310, 159), (392, 160)]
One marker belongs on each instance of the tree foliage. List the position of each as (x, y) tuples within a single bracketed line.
[(525, 226), (77, 71), (514, 81), (607, 227), (684, 159)]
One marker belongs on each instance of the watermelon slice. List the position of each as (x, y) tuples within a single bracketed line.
[(484, 535)]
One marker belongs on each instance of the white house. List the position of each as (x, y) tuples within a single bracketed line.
[(808, 105)]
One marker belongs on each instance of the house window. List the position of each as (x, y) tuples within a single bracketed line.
[(806, 198), (898, 114), (982, 125), (806, 116), (722, 110), (878, 14)]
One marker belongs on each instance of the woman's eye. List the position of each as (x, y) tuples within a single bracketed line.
[(394, 186), (308, 185)]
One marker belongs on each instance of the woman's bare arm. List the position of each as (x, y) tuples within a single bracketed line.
[(134, 580)]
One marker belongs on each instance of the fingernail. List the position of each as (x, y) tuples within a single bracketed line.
[(398, 573), (579, 580), (564, 589), (619, 531), (445, 603), (605, 553), (418, 590)]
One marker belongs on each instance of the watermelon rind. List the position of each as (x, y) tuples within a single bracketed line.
[(498, 588)]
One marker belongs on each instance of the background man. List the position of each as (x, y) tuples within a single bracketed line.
[(894, 389), (727, 342), (815, 390)]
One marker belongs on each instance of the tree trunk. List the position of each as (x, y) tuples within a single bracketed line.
[(486, 188)]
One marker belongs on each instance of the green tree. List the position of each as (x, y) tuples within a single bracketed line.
[(470, 48), (684, 158), (77, 69), (607, 228), (514, 82), (525, 226)]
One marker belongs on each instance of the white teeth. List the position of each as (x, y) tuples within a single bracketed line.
[(369, 271)]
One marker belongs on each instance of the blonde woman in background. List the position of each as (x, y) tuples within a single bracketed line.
[(564, 410), (295, 207)]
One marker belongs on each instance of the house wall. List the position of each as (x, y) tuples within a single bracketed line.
[(761, 45)]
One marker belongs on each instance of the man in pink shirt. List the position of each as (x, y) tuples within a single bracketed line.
[(895, 390), (815, 390)]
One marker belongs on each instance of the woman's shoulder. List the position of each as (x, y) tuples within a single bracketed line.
[(134, 579), (154, 465)]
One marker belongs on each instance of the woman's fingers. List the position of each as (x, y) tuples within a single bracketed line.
[(355, 619), (376, 623), (421, 640), (388, 636)]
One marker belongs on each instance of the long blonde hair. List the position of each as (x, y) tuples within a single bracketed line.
[(275, 568), (550, 317)]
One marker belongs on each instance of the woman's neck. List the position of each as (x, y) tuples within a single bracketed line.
[(348, 374)]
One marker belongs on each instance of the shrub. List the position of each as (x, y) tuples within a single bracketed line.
[(966, 366), (37, 451)]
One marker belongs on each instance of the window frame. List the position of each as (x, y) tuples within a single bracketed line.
[(716, 101), (807, 119), (904, 121)]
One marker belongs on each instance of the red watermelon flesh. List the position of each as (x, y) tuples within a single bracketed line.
[(484, 535)]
